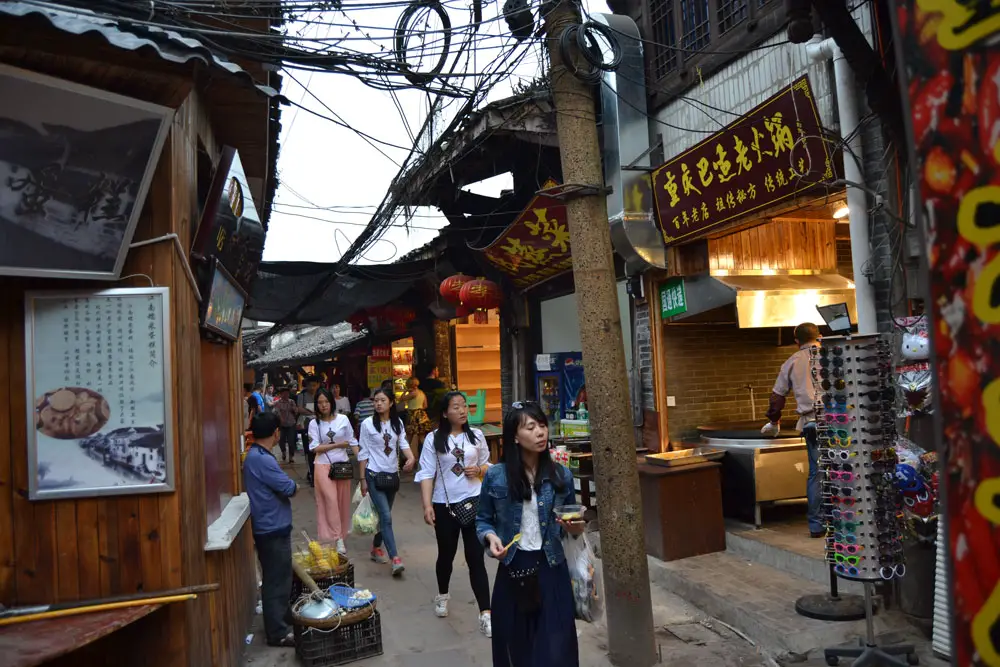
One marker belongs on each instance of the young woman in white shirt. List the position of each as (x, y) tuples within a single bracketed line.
[(453, 461), (381, 439), (330, 436)]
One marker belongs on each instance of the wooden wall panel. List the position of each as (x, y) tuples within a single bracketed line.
[(232, 606), (217, 425), (8, 555), (779, 245)]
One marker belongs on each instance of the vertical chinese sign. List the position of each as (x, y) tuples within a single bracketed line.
[(954, 100), (98, 383), (535, 247), (774, 153)]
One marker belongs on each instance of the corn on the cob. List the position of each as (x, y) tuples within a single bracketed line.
[(319, 556)]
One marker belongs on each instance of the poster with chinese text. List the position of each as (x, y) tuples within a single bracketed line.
[(98, 393)]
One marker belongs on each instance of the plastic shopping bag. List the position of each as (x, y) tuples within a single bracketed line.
[(365, 519), (585, 576), (357, 496)]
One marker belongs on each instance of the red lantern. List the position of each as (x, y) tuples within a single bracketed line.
[(451, 287), (480, 295)]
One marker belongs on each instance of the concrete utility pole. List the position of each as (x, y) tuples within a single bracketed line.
[(623, 552)]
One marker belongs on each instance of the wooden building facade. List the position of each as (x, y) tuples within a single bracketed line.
[(86, 548)]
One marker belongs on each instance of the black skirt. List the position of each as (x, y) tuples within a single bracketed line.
[(546, 638)]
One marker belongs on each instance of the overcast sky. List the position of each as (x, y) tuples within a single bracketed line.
[(330, 173)]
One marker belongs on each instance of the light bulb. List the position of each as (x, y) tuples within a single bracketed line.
[(841, 212)]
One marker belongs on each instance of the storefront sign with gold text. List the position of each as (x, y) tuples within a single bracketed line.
[(536, 246), (772, 154)]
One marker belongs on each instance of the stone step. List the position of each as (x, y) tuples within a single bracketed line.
[(759, 601), (744, 545)]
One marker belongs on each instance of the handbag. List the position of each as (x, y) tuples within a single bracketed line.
[(342, 470), (465, 511), (388, 481)]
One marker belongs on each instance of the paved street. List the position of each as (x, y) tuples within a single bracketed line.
[(413, 637)]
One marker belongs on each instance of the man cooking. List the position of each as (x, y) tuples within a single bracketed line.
[(795, 377)]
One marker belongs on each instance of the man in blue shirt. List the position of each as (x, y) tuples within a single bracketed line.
[(270, 490), (258, 395)]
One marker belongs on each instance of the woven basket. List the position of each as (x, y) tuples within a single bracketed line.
[(350, 618)]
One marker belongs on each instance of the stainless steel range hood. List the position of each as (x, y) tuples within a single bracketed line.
[(781, 300)]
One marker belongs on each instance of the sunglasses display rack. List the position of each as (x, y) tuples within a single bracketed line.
[(856, 435)]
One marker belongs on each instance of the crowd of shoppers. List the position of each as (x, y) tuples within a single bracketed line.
[(503, 510)]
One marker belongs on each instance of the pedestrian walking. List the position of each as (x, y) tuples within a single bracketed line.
[(453, 460), (365, 407), (306, 404), (795, 377), (533, 607), (286, 410), (341, 403), (418, 425), (381, 441), (330, 436), (269, 490)]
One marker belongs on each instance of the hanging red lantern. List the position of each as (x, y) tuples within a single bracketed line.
[(451, 287), (481, 295)]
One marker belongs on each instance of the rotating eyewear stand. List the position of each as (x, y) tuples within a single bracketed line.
[(868, 654), (831, 606)]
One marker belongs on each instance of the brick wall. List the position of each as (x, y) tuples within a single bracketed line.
[(708, 367), (845, 262)]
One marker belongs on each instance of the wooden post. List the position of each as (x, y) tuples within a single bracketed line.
[(626, 572)]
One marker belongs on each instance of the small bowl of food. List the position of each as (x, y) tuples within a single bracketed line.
[(69, 413), (569, 512)]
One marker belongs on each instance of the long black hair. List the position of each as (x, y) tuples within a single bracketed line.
[(323, 391), (444, 426), (517, 476), (394, 420)]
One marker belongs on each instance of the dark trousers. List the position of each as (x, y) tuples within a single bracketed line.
[(275, 555), (310, 457), (447, 529), (288, 441)]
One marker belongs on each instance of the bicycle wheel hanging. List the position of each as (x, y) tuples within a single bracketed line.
[(414, 25)]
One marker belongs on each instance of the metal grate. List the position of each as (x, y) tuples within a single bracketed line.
[(664, 37), (696, 30), (732, 13)]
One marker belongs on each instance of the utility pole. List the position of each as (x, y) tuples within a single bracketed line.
[(623, 551)]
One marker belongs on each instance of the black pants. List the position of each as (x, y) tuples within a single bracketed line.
[(287, 442), (275, 555), (310, 457), (447, 529)]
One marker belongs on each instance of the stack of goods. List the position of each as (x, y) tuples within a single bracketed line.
[(353, 633), (323, 564), (857, 434)]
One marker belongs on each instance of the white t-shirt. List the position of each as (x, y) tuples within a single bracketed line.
[(373, 444), (531, 532), (343, 405), (324, 432), (458, 486)]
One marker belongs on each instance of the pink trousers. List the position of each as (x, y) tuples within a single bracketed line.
[(333, 505)]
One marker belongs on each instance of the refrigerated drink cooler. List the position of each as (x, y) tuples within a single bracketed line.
[(560, 386)]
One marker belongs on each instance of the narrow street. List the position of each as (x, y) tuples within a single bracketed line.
[(413, 637)]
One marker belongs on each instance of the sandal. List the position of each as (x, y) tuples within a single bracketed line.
[(286, 642)]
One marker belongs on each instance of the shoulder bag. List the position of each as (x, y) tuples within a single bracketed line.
[(465, 511), (388, 481), (339, 470)]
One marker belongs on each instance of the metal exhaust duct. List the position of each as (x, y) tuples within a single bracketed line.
[(634, 232)]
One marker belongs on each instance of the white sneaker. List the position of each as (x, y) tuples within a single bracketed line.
[(441, 605), (341, 548), (486, 623)]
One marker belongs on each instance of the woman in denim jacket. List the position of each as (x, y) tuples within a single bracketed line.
[(533, 609)]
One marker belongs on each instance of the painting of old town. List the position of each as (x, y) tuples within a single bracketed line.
[(75, 166)]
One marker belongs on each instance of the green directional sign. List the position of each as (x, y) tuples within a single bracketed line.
[(672, 298)]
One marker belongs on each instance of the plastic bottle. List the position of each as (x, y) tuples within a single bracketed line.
[(582, 414)]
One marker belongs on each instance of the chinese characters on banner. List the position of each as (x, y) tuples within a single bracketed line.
[(954, 102), (673, 300), (98, 385), (379, 370), (536, 246), (770, 155)]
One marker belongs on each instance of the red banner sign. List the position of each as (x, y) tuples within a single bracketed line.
[(536, 246), (772, 154), (954, 97)]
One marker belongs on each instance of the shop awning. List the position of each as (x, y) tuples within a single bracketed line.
[(281, 286), (768, 300), (313, 346)]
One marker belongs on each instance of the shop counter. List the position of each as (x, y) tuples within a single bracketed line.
[(682, 509)]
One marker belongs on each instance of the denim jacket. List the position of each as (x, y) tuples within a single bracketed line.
[(500, 514)]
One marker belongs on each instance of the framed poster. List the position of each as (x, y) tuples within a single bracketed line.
[(98, 384), (224, 307), (75, 167)]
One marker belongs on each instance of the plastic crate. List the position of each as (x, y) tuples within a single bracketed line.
[(319, 648), (346, 577)]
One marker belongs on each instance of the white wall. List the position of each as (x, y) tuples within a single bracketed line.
[(742, 85), (561, 328)]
